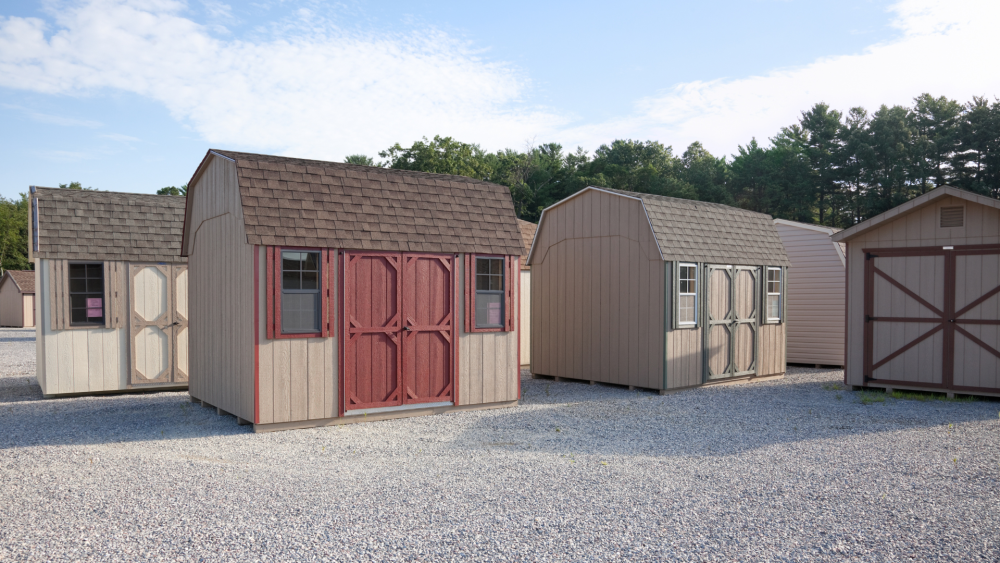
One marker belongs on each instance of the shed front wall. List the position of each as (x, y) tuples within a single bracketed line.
[(814, 309), (221, 280), (488, 370), (597, 303), (11, 305), (28, 314), (916, 229)]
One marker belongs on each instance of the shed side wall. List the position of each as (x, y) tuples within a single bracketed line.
[(814, 309), (11, 305), (598, 294), (525, 321), (220, 283), (298, 376), (487, 361), (919, 228)]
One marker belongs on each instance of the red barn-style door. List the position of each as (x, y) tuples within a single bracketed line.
[(429, 327), (399, 329)]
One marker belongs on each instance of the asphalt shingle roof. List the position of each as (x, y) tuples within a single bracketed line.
[(23, 279), (92, 225), (297, 202), (527, 235), (711, 232)]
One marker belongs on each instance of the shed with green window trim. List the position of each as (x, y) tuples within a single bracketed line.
[(656, 292), (111, 291), (326, 293)]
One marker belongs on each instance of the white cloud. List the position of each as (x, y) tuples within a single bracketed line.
[(316, 91), (54, 119), (946, 48)]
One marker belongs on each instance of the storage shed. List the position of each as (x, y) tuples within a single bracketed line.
[(112, 291), (923, 295), (17, 298), (527, 235), (325, 293), (815, 306), (656, 292)]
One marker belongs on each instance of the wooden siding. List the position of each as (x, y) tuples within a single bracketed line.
[(525, 312), (297, 376), (684, 358), (597, 307), (16, 308), (78, 360), (28, 310), (814, 304), (975, 366), (772, 350), (220, 281), (487, 361), (917, 228)]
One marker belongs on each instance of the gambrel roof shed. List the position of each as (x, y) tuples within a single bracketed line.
[(312, 203)]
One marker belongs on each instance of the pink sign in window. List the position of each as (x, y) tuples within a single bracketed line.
[(95, 307), (493, 313)]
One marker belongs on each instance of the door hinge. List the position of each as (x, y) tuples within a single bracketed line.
[(869, 318), (869, 256)]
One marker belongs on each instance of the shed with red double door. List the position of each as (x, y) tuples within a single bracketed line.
[(325, 293), (923, 295)]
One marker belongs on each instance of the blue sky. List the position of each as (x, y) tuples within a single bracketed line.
[(127, 95)]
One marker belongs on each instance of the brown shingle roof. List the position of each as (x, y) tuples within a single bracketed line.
[(296, 202), (23, 279), (711, 232), (527, 236), (89, 225)]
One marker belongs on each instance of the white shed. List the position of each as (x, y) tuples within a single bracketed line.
[(815, 307)]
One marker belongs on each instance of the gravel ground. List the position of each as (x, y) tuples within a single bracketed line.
[(792, 470)]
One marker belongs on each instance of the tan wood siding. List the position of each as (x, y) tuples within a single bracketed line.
[(28, 314), (598, 294), (772, 350), (14, 306), (298, 377), (79, 360), (917, 228), (814, 306), (684, 358), (525, 322), (487, 361), (220, 294)]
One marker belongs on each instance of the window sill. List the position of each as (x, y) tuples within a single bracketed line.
[(290, 335)]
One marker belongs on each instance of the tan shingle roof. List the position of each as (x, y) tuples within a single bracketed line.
[(711, 232), (23, 279), (88, 225), (296, 202), (527, 235)]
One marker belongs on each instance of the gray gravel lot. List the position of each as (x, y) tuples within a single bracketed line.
[(791, 470)]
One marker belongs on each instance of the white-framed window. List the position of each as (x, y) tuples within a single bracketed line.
[(773, 304), (687, 294)]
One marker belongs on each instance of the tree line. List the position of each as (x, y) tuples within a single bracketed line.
[(828, 168)]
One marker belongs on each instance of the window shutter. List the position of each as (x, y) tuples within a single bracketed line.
[(784, 296), (509, 290), (470, 293), (59, 294), (269, 276), (324, 277), (673, 287)]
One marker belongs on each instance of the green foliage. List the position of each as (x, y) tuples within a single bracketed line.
[(173, 190), (14, 234), (830, 168), (360, 160), (76, 186)]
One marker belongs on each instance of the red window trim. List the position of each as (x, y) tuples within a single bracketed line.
[(274, 293), (510, 262)]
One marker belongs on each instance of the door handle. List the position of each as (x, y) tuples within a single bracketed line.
[(407, 328)]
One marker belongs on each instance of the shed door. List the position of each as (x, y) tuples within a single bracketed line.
[(373, 330), (932, 316), (731, 335), (180, 330), (154, 324), (429, 327)]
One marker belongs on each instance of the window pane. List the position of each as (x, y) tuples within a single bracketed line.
[(291, 260), (77, 285), (311, 261), (310, 280), (496, 266), (300, 312), (290, 280), (685, 309), (482, 265), (95, 285), (496, 283), (482, 282), (77, 271), (489, 310), (772, 306), (95, 270), (78, 301), (79, 316)]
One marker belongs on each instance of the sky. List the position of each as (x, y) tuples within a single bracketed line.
[(127, 95)]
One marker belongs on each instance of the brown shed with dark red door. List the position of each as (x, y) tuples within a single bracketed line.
[(923, 295), (325, 293)]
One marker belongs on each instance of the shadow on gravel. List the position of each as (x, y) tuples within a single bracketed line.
[(16, 389), (576, 418)]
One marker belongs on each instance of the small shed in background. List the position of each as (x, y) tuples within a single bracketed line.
[(814, 311), (325, 293), (112, 291), (17, 298), (923, 295), (656, 292), (527, 235)]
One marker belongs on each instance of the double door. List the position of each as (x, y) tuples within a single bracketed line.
[(399, 329), (732, 304), (158, 324)]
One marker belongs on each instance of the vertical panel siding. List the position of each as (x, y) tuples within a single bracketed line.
[(597, 299), (487, 361), (772, 350), (524, 309), (76, 360), (220, 284), (684, 358), (814, 307), (13, 306), (298, 377)]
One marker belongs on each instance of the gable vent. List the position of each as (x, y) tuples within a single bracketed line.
[(952, 217)]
